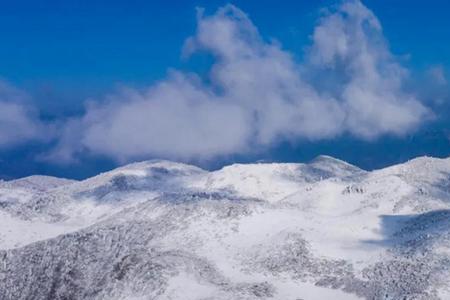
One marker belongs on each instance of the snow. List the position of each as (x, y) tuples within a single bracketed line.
[(186, 286), (262, 181), (40, 182), (264, 229), (16, 233), (308, 291)]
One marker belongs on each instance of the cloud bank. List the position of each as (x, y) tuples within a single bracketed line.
[(256, 94)]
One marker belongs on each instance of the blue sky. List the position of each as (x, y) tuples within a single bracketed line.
[(57, 56)]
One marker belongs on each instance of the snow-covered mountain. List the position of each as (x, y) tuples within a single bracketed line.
[(164, 230)]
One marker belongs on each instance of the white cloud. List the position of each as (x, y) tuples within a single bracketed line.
[(349, 43), (19, 122), (263, 80), (175, 118), (256, 95)]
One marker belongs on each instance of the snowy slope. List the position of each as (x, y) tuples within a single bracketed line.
[(165, 230)]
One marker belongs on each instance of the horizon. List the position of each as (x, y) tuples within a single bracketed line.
[(155, 160)]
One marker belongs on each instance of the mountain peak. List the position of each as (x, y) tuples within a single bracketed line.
[(40, 182), (334, 166), (326, 159), (157, 164)]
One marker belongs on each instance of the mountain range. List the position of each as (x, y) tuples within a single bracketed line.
[(164, 230)]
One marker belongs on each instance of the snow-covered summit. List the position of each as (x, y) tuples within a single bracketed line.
[(421, 168), (38, 182), (334, 166)]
